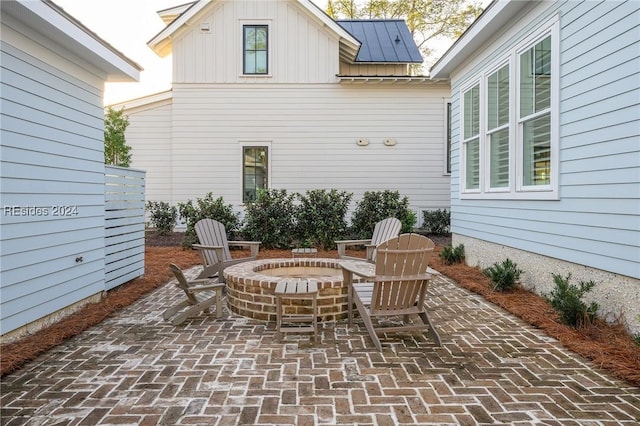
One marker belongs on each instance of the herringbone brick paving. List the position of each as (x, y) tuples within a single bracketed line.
[(136, 369)]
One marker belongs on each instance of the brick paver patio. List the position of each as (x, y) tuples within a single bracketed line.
[(136, 369)]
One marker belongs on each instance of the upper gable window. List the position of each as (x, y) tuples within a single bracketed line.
[(255, 49)]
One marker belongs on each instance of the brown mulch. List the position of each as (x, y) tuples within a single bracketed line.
[(609, 346)]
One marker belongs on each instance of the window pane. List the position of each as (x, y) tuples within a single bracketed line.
[(472, 164), (254, 172), (498, 98), (249, 38), (261, 39), (472, 112), (261, 63), (535, 78), (499, 162), (537, 151), (250, 62)]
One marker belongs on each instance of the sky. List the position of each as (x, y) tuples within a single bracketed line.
[(128, 25)]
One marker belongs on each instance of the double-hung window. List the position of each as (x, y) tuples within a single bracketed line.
[(508, 129), (255, 39)]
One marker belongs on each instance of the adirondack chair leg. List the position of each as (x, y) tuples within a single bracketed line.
[(366, 318), (219, 303), (172, 311), (432, 330)]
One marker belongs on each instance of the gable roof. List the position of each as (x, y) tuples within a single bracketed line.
[(57, 25), (383, 41), (161, 42)]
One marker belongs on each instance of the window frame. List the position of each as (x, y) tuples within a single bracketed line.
[(243, 24), (516, 189), (253, 144)]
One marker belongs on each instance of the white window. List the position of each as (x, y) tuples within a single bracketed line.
[(509, 127)]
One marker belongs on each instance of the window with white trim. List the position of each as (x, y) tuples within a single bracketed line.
[(509, 142), (255, 171)]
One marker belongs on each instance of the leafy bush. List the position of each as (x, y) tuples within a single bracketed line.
[(207, 208), (321, 217), (378, 205), (451, 255), (566, 300), (437, 221), (163, 216), (271, 218), (504, 275)]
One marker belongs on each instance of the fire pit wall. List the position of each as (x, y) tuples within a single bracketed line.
[(250, 287)]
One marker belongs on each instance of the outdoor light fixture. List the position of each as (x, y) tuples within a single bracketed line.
[(389, 142), (362, 142), (204, 27)]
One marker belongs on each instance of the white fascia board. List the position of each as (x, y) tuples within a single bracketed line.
[(142, 101), (495, 16), (161, 42), (63, 28)]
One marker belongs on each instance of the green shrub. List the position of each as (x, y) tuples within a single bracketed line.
[(504, 275), (451, 255), (378, 205), (162, 216), (566, 300), (207, 208), (271, 218), (321, 217), (437, 222)]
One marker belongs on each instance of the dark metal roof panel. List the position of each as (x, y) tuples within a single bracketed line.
[(387, 40)]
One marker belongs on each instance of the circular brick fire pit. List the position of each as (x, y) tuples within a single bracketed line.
[(250, 286)]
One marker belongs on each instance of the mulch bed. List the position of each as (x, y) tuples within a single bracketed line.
[(609, 346)]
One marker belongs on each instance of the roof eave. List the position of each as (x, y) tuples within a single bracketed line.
[(48, 18), (493, 18)]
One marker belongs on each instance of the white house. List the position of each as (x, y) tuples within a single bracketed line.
[(52, 172), (546, 144), (274, 93)]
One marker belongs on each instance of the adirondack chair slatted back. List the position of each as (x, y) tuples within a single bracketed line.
[(182, 283), (212, 233), (385, 230), (401, 264)]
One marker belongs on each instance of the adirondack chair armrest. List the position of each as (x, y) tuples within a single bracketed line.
[(254, 246), (343, 244), (198, 288), (203, 247)]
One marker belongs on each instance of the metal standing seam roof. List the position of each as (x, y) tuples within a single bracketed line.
[(383, 41)]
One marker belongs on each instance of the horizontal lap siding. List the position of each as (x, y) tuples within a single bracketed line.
[(596, 222), (313, 131), (149, 135), (51, 155)]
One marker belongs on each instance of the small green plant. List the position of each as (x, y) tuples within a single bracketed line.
[(270, 218), (204, 208), (162, 216), (451, 255), (504, 276), (437, 221), (566, 299)]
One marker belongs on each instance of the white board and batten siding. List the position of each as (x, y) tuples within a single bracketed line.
[(52, 174), (596, 219), (301, 51)]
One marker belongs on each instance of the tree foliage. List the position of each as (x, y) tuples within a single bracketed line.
[(116, 150), (426, 19)]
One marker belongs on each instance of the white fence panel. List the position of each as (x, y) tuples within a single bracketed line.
[(124, 225)]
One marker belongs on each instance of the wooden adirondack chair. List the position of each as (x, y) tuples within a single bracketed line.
[(201, 294), (399, 287), (384, 230), (214, 248)]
